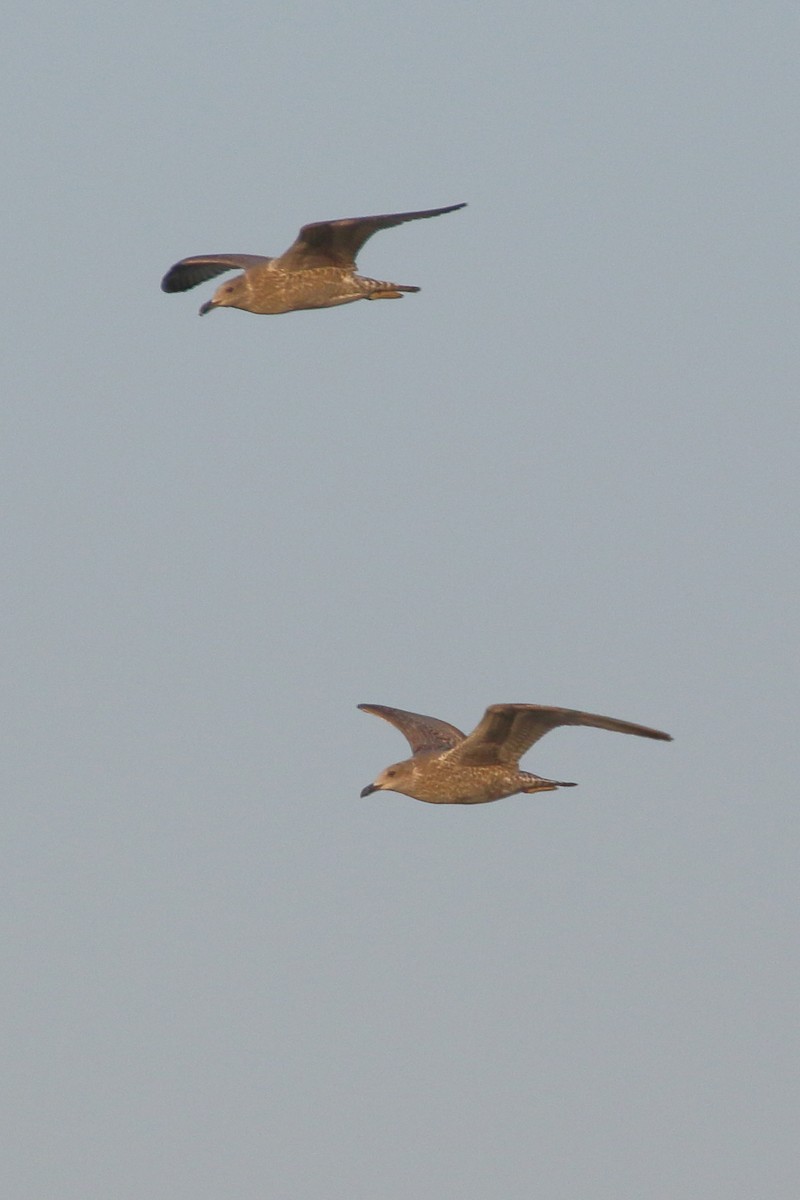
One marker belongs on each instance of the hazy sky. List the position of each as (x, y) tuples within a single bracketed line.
[(564, 473)]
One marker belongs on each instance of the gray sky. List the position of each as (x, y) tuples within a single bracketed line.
[(564, 473)]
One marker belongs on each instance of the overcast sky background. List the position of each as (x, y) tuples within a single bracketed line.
[(564, 473)]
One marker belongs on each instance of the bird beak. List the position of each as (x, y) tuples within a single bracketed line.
[(207, 307), (369, 789)]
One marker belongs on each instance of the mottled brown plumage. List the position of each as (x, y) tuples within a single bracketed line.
[(449, 767), (317, 271)]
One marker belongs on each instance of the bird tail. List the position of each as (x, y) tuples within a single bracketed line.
[(389, 291), (534, 784)]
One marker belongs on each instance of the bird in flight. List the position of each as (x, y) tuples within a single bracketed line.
[(449, 767), (317, 271)]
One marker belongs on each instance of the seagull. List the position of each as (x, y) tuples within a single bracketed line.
[(317, 271), (449, 767)]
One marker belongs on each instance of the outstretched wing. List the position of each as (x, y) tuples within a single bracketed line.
[(336, 243), (190, 271), (508, 730), (422, 733)]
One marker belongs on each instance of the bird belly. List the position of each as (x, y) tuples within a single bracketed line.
[(464, 785), (321, 287)]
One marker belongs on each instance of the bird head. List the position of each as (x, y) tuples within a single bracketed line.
[(227, 295), (397, 778)]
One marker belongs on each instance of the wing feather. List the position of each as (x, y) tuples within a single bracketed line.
[(336, 243), (422, 733), (507, 731), (190, 271)]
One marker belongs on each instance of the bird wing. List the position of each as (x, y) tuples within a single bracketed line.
[(508, 730), (336, 243), (422, 733), (190, 271)]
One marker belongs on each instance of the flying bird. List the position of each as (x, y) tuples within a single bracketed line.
[(449, 767), (317, 271)]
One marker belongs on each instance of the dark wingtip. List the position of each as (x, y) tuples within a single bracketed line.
[(172, 281)]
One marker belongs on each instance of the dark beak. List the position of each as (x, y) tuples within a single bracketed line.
[(207, 307), (369, 789)]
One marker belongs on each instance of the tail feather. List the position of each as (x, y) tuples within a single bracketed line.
[(535, 784), (391, 291)]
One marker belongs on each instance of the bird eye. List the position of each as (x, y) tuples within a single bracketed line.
[(391, 774)]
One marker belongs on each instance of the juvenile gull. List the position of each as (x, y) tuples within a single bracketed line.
[(449, 767), (317, 271)]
